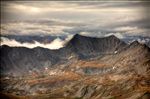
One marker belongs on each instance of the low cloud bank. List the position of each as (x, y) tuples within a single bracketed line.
[(118, 35), (59, 43), (55, 44)]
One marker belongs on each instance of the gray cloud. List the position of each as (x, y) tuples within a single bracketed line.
[(65, 18)]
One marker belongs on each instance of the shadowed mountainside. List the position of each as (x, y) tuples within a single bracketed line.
[(86, 68), (21, 59)]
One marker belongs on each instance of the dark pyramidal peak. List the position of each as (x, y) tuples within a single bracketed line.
[(90, 45), (137, 44)]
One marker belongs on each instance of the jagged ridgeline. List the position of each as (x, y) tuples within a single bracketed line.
[(21, 59)]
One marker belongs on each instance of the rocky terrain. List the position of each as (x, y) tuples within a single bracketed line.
[(86, 68), (21, 59)]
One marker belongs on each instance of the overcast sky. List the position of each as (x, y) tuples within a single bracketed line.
[(63, 18)]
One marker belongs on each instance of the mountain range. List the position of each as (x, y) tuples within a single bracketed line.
[(85, 68), (23, 59)]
